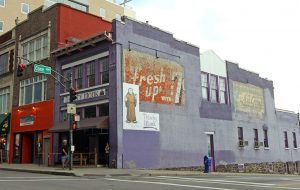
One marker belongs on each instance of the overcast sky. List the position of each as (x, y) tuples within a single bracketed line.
[(260, 35)]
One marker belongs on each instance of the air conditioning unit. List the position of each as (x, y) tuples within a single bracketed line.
[(261, 143), (241, 143), (246, 143), (256, 144)]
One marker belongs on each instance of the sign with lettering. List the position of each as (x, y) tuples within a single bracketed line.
[(87, 95), (159, 80), (133, 118), (249, 98), (27, 120)]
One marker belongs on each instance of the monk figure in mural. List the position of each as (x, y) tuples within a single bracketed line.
[(130, 102)]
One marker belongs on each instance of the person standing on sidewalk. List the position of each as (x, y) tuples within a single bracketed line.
[(206, 164), (107, 155), (64, 154)]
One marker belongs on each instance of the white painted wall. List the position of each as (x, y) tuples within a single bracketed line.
[(210, 62)]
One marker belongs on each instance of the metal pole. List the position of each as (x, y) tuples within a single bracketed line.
[(70, 144)]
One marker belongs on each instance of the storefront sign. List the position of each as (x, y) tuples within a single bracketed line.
[(249, 98), (87, 95), (133, 118), (4, 123), (159, 80), (27, 120)]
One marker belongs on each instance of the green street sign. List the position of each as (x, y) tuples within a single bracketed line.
[(42, 69)]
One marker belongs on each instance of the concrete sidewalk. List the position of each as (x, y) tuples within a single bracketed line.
[(104, 172), (33, 168)]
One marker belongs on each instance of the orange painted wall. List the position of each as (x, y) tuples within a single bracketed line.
[(78, 24), (43, 113)]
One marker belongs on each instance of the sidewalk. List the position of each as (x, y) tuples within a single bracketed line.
[(106, 172), (33, 168)]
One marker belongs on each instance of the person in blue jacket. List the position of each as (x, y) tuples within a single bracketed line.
[(206, 164)]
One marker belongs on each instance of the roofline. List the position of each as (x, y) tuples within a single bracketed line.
[(81, 44)]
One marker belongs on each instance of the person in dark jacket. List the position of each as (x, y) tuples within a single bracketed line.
[(206, 164)]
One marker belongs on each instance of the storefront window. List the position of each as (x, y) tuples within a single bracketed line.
[(4, 100), (17, 148), (90, 112), (104, 109), (38, 145)]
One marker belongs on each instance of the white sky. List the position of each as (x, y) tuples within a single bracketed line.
[(261, 35)]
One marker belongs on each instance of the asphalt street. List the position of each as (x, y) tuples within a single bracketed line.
[(27, 181)]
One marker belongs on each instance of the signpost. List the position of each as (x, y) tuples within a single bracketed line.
[(42, 69)]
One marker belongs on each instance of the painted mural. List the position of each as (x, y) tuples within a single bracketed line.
[(159, 80), (133, 119), (249, 98)]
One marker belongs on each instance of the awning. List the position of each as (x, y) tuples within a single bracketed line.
[(4, 123), (91, 123)]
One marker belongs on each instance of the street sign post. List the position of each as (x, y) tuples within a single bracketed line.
[(42, 69), (71, 108)]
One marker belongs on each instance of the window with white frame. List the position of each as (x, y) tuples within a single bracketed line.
[(2, 3), (36, 49), (223, 96), (4, 64), (104, 70), (24, 8), (214, 88), (102, 12), (204, 86), (1, 26), (33, 90), (78, 77), (118, 16), (4, 100), (90, 72)]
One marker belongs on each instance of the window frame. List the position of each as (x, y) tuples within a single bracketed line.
[(266, 138), (5, 64), (100, 12), (207, 88), (295, 140), (3, 4), (101, 69), (216, 89), (2, 28), (31, 82), (88, 73), (45, 47), (22, 5), (5, 92), (240, 134), (225, 92), (286, 140)]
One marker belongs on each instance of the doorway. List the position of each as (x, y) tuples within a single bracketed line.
[(211, 149), (46, 150)]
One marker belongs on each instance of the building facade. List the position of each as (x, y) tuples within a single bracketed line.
[(7, 51), (33, 95), (16, 11)]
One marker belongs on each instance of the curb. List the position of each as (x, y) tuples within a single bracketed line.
[(40, 171)]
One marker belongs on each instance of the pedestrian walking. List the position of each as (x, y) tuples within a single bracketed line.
[(64, 154), (206, 164)]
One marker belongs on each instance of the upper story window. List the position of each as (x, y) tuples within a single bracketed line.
[(214, 88), (104, 70), (78, 77), (286, 141), (204, 85), (36, 49), (24, 8), (266, 140), (256, 143), (1, 26), (2, 3), (4, 100), (33, 90), (4, 64), (295, 140), (118, 16), (67, 76), (90, 72), (102, 12), (223, 92), (240, 134)]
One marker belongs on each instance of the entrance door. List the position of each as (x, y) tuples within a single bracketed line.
[(46, 151), (211, 150)]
